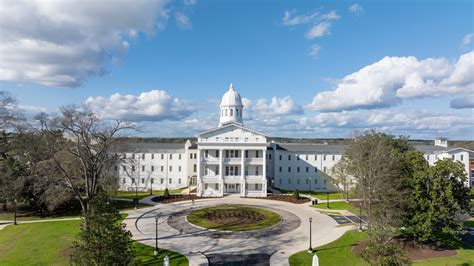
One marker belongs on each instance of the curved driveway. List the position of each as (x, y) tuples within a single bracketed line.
[(141, 223)]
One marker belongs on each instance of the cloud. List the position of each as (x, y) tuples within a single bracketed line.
[(318, 30), (291, 19), (356, 9), (330, 16), (314, 50), (392, 79), (183, 21), (190, 2), (461, 103), (154, 105), (63, 43), (466, 40), (277, 106)]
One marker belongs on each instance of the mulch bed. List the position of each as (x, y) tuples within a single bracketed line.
[(414, 251), (234, 217), (287, 198), (176, 198)]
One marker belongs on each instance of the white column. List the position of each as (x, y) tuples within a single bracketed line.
[(221, 170), (200, 185), (242, 173), (264, 172)]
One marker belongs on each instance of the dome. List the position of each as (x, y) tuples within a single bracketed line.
[(231, 97)]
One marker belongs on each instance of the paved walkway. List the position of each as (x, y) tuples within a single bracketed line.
[(141, 223)]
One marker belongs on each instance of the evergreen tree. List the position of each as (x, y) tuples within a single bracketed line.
[(103, 239)]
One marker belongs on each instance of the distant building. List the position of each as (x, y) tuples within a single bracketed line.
[(233, 159)]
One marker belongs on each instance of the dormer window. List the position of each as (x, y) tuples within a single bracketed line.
[(236, 112), (231, 112)]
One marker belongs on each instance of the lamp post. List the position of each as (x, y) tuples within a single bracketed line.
[(156, 237), (327, 197), (14, 210), (310, 186), (151, 186), (360, 214), (310, 249)]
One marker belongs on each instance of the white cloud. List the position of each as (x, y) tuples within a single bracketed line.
[(356, 9), (318, 30), (154, 105), (466, 102), (277, 106), (330, 16), (390, 80), (183, 21), (62, 43), (291, 19), (466, 40), (314, 50)]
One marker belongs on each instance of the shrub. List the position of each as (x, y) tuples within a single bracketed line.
[(166, 193), (296, 194)]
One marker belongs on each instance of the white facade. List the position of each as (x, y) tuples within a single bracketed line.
[(233, 159)]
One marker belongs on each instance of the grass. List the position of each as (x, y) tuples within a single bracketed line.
[(335, 253), (48, 243), (339, 252), (469, 222), (143, 194), (198, 218), (339, 205), (30, 216)]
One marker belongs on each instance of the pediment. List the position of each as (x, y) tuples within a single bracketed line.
[(233, 132)]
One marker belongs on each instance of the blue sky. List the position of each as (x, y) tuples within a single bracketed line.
[(305, 68)]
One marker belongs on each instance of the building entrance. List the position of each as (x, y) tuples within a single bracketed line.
[(231, 188)]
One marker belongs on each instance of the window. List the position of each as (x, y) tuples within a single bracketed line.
[(143, 180), (162, 168), (116, 168), (289, 157), (306, 157), (195, 168), (269, 156), (123, 168), (206, 171), (133, 168), (280, 157), (315, 169), (195, 156), (334, 157), (297, 181), (179, 168), (217, 153), (227, 153), (206, 153), (462, 157), (133, 180), (143, 168), (298, 169), (133, 155), (161, 180), (231, 112), (152, 180), (307, 169), (143, 156), (170, 180), (315, 157), (236, 112), (179, 180), (216, 186), (217, 170), (171, 168), (179, 157), (289, 169), (324, 169), (124, 180), (280, 169), (324, 158), (190, 156), (227, 170), (162, 156), (225, 112), (171, 156), (256, 170), (205, 186), (152, 168), (297, 157), (152, 156), (257, 154), (246, 154), (325, 181)]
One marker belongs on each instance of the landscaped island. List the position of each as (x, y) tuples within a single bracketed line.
[(233, 218)]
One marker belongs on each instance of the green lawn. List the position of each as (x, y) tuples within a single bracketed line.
[(198, 217), (340, 205), (143, 194), (335, 253), (47, 243), (469, 223), (339, 252)]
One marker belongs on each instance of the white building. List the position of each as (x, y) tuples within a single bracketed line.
[(234, 159)]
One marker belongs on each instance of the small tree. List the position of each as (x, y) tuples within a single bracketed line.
[(166, 193), (103, 239), (386, 254), (296, 194)]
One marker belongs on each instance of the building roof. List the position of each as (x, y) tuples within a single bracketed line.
[(431, 148), (153, 147), (312, 148)]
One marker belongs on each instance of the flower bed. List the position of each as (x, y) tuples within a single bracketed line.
[(176, 198), (287, 198)]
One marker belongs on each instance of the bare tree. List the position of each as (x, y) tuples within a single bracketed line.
[(89, 142), (341, 177)]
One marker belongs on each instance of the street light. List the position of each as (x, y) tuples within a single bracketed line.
[(14, 209), (327, 197), (310, 186), (360, 215), (156, 237), (310, 249)]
